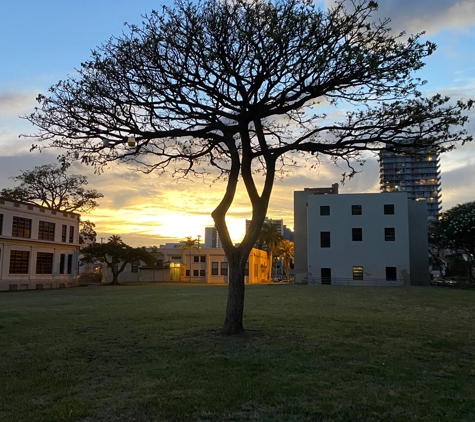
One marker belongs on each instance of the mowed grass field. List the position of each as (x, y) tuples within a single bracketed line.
[(311, 353)]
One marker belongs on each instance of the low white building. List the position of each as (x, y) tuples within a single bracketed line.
[(38, 247), (360, 239), (206, 265)]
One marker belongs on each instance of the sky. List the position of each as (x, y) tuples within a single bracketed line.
[(44, 42)]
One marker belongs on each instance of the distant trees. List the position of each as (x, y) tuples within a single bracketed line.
[(455, 230), (116, 255), (190, 244), (269, 239), (235, 89), (285, 251), (87, 232), (50, 186)]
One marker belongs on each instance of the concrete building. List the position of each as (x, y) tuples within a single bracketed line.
[(418, 176), (300, 226), (38, 247), (206, 265), (361, 239), (212, 239)]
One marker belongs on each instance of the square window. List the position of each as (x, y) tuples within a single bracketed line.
[(196, 258), (44, 263), (195, 273), (46, 230), (202, 273), (389, 234), (357, 234), (187, 273), (203, 258), (135, 267), (324, 239), (388, 208), (21, 227), (19, 262), (356, 210), (391, 273), (357, 273), (324, 210)]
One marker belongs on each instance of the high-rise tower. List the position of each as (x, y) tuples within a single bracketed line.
[(418, 175)]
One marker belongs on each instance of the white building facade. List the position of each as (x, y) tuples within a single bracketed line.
[(362, 239), (39, 247)]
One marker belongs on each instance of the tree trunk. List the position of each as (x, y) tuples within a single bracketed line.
[(235, 306), (115, 280)]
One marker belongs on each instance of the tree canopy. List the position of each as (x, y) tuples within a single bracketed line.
[(116, 255), (455, 230), (50, 186), (242, 87)]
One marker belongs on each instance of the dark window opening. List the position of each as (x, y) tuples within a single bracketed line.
[(64, 231), (71, 234), (357, 234), (203, 258), (202, 273), (388, 208), (214, 268), (195, 273), (391, 273), (224, 268), (356, 210), (326, 275), (62, 261), (324, 210), (324, 239), (389, 234), (70, 264)]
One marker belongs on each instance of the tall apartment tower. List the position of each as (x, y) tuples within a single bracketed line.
[(419, 176), (212, 238)]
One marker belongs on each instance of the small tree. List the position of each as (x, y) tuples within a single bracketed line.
[(455, 230), (116, 255), (49, 185), (190, 244), (269, 239), (239, 88), (285, 250)]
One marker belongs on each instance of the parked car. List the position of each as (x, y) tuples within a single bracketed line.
[(445, 282)]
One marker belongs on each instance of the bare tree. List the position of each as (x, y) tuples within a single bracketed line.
[(239, 87)]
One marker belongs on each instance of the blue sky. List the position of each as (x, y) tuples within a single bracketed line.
[(43, 42)]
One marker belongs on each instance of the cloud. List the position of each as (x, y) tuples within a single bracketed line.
[(14, 102), (415, 16)]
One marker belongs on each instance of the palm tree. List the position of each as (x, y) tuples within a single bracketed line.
[(269, 239), (190, 244), (115, 239), (285, 250)]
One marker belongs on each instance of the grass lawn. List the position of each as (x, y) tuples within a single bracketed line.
[(311, 353)]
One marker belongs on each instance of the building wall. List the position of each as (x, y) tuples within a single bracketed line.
[(300, 228), (31, 243), (406, 253)]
